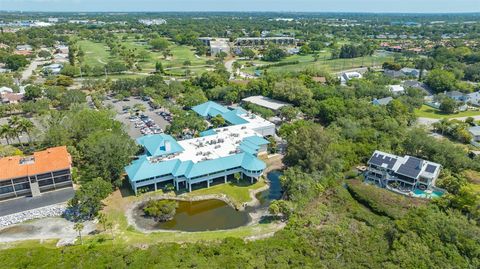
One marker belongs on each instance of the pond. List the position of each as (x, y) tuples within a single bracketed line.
[(205, 215), (274, 192), (210, 215)]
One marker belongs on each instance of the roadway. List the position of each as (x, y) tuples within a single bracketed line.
[(28, 203), (430, 121), (29, 70)]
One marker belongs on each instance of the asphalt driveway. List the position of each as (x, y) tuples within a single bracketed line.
[(28, 203)]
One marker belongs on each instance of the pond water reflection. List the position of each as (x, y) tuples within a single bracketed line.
[(209, 215)]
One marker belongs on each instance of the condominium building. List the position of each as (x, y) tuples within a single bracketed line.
[(215, 157), (36, 174)]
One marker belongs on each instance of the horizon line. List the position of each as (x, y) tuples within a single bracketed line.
[(244, 11)]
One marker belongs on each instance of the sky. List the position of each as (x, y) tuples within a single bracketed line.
[(402, 6)]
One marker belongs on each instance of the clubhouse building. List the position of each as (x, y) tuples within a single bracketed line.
[(213, 158), (34, 175)]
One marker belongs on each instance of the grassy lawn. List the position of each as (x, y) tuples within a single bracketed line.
[(429, 112), (116, 205), (238, 193), (324, 62), (96, 54)]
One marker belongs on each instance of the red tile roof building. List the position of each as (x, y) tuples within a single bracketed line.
[(32, 175)]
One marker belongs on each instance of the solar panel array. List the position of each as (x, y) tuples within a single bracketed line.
[(431, 168), (379, 159), (411, 168)]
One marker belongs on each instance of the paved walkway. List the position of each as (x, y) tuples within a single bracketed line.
[(27, 203)]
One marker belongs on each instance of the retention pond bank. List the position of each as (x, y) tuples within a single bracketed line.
[(211, 214)]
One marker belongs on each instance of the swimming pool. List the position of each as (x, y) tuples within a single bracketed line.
[(422, 194)]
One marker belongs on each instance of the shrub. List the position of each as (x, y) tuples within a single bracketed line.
[(161, 210)]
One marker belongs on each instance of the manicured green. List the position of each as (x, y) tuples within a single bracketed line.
[(96, 53), (323, 62), (238, 193), (430, 112)]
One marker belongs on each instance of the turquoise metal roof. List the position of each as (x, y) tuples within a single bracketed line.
[(208, 132), (212, 109), (257, 140), (247, 149), (250, 144), (252, 163), (143, 169), (233, 117), (156, 144), (244, 160), (209, 108), (183, 168)]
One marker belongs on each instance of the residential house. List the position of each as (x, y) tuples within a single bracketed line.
[(382, 102), (53, 69), (417, 85), (404, 72), (396, 89), (346, 76), (456, 95), (403, 174), (393, 73), (475, 132), (473, 98), (411, 72)]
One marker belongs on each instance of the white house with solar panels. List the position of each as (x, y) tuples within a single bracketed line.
[(402, 174), (213, 158)]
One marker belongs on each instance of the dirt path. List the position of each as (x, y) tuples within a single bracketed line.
[(43, 229)]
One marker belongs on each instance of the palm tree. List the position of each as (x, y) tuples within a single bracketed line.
[(14, 122), (79, 227), (6, 132), (25, 126)]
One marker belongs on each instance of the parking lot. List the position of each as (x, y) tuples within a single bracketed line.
[(139, 123)]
